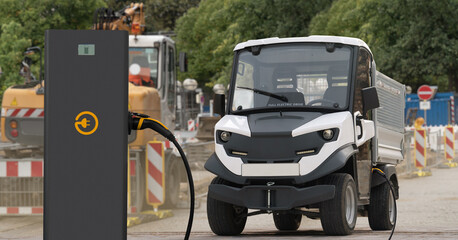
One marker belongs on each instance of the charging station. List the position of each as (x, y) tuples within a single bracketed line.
[(85, 135)]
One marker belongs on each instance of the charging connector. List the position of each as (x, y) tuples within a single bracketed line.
[(138, 121)]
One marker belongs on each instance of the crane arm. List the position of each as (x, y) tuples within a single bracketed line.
[(131, 18)]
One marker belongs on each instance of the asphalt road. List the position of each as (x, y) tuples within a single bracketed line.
[(427, 209)]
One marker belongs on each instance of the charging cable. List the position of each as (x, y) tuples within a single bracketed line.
[(380, 172), (139, 122)]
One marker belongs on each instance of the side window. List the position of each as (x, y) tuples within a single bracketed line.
[(362, 79), (171, 76)]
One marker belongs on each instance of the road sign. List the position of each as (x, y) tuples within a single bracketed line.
[(425, 105), (425, 92)]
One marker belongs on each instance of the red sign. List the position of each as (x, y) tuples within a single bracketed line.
[(425, 92)]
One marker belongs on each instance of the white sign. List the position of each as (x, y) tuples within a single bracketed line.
[(425, 105)]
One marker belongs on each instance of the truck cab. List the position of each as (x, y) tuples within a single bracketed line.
[(301, 134)]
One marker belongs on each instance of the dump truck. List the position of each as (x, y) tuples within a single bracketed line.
[(152, 91), (310, 128)]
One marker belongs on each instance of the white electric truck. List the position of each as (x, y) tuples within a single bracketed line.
[(307, 121)]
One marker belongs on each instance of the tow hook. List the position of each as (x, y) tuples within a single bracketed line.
[(269, 184)]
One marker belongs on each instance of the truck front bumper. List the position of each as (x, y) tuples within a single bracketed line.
[(271, 197)]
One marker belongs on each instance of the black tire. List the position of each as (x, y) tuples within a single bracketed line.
[(225, 219), (381, 212), (172, 182), (287, 221), (338, 215)]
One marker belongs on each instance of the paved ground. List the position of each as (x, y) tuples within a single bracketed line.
[(428, 209)]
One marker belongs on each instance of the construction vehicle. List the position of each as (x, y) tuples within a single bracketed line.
[(152, 91), (303, 134)]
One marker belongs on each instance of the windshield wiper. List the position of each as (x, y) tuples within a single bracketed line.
[(279, 97)]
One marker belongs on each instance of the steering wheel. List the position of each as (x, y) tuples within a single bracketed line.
[(322, 101)]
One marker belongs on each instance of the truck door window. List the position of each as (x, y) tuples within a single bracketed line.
[(362, 80), (143, 66), (171, 84)]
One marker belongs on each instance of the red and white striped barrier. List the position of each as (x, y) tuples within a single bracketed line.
[(452, 109), (15, 169), (420, 148), (191, 125), (21, 169), (24, 112), (155, 173), (132, 172), (20, 210), (449, 140)]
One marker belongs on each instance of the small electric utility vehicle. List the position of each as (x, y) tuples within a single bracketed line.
[(307, 122)]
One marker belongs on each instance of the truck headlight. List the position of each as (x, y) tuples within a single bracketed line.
[(328, 134), (225, 136)]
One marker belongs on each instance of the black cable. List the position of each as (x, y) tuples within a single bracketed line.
[(380, 172), (191, 187), (139, 122)]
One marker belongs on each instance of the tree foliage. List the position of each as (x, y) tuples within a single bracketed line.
[(23, 23), (12, 44), (163, 14), (414, 41), (210, 32)]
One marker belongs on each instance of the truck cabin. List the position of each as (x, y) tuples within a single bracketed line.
[(299, 76), (143, 65)]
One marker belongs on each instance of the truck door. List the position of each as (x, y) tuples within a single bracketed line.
[(363, 158), (168, 90)]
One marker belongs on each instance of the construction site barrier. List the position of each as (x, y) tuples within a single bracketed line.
[(21, 186), (449, 146)]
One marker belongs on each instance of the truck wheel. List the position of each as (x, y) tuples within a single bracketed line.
[(287, 221), (381, 212), (338, 215), (224, 218), (172, 183)]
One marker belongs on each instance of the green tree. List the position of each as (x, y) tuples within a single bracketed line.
[(24, 22), (12, 44), (210, 32), (163, 14), (415, 42)]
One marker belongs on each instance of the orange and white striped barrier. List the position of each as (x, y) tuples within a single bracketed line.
[(420, 152), (449, 145), (155, 174)]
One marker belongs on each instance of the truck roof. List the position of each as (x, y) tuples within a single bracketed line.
[(312, 39), (147, 40)]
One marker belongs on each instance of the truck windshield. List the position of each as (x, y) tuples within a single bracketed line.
[(292, 76), (143, 66)]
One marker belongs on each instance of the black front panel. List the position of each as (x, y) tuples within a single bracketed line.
[(275, 149), (85, 135)]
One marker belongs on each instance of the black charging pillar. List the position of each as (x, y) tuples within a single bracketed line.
[(85, 135)]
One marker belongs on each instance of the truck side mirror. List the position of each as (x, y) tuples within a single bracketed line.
[(183, 61), (219, 104), (370, 99)]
